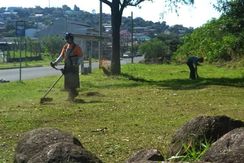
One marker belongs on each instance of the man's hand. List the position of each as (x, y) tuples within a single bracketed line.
[(52, 64), (62, 70)]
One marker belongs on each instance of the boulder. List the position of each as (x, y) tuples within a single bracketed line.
[(229, 148), (64, 152), (35, 143), (146, 155), (201, 129)]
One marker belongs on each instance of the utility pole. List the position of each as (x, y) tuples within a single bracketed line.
[(132, 28), (100, 34), (66, 23), (20, 32)]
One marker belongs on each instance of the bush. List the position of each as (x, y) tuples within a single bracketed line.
[(154, 50)]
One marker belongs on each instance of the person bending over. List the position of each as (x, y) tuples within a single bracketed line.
[(192, 63)]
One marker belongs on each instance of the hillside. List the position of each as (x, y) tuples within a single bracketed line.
[(39, 18)]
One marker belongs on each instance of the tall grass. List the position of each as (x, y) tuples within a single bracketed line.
[(140, 109), (191, 152)]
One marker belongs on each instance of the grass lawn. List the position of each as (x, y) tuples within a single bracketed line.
[(140, 109)]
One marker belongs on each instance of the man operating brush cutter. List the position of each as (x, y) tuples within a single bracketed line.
[(72, 55)]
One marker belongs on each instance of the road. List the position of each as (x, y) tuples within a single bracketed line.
[(36, 72)]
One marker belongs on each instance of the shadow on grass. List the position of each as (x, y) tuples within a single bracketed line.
[(88, 94), (113, 85), (185, 84), (81, 101)]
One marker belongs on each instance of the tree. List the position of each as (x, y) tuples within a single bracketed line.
[(218, 40), (223, 5), (76, 8), (66, 8), (52, 45), (117, 8)]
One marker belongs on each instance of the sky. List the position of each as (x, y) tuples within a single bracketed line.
[(189, 16)]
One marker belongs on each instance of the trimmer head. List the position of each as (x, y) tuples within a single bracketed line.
[(45, 99)]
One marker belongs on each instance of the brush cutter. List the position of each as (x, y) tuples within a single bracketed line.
[(44, 98)]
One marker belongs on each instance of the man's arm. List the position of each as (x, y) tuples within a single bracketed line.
[(61, 56), (58, 60)]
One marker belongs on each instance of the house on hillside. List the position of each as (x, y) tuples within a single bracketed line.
[(140, 34), (141, 38)]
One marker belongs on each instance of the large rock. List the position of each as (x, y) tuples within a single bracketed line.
[(64, 152), (229, 148), (36, 141), (146, 155), (200, 129)]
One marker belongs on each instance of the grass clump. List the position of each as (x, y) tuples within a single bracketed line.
[(192, 153)]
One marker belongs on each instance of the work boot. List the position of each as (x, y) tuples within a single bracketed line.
[(72, 94)]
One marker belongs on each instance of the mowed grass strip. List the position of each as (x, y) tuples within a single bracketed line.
[(114, 117)]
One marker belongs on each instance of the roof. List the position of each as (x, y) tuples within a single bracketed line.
[(60, 26)]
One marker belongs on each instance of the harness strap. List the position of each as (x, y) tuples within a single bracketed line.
[(69, 56)]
